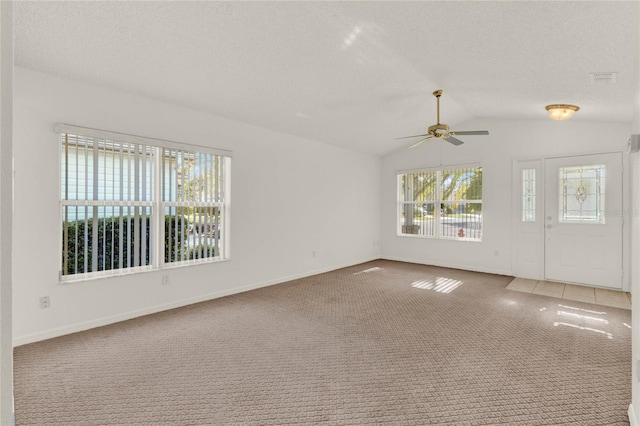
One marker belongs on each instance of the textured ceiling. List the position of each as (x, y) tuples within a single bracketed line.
[(352, 74)]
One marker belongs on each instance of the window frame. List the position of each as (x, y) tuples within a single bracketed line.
[(437, 201), (157, 204)]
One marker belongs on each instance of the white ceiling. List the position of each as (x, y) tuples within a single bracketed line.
[(352, 74)]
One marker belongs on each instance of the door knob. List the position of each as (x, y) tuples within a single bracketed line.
[(549, 226)]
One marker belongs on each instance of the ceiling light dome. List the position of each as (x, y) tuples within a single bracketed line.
[(561, 111)]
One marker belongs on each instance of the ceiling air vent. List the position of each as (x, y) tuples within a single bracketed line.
[(603, 77)]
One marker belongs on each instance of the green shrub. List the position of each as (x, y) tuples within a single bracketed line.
[(103, 242)]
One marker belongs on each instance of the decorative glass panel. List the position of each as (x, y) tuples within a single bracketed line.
[(582, 193), (529, 195)]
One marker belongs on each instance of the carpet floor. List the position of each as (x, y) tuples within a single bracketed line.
[(378, 343)]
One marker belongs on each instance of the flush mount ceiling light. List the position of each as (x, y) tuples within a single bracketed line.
[(561, 111)]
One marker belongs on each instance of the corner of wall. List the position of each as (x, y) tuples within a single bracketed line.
[(635, 242), (6, 213)]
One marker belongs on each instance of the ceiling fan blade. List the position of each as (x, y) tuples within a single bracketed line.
[(453, 140), (471, 132), (414, 136), (419, 142)]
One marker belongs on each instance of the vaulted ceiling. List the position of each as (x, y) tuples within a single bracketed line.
[(352, 74)]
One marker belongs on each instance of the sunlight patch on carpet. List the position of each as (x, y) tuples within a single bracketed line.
[(585, 317), (609, 335), (366, 271), (583, 310), (440, 285)]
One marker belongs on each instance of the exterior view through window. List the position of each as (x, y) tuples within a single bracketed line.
[(135, 206), (443, 203)]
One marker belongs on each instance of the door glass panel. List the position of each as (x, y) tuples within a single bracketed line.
[(582, 194), (529, 195)]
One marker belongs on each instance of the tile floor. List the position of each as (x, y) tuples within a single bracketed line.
[(598, 296)]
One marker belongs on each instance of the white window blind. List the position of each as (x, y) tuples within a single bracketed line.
[(192, 200), (125, 202), (444, 203)]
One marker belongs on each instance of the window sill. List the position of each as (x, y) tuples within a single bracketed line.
[(428, 237), (136, 271)]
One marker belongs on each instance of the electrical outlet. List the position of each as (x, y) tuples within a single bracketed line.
[(45, 302), (165, 279), (314, 253)]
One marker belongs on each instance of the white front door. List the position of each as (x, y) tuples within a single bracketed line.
[(583, 220)]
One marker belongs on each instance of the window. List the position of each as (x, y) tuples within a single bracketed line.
[(529, 195), (192, 201), (441, 203), (133, 205)]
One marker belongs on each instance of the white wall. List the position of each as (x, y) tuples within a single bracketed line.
[(634, 161), (6, 207), (635, 278), (290, 196), (508, 140)]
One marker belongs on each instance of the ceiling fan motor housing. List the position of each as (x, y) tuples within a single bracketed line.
[(433, 130)]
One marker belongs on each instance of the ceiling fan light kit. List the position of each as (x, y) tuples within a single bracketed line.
[(561, 111), (440, 130)]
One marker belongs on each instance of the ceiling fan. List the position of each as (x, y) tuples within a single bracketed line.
[(439, 130)]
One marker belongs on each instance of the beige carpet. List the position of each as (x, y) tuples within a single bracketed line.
[(379, 343)]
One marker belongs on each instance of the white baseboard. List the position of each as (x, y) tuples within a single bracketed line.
[(632, 416), (74, 328), (450, 265)]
